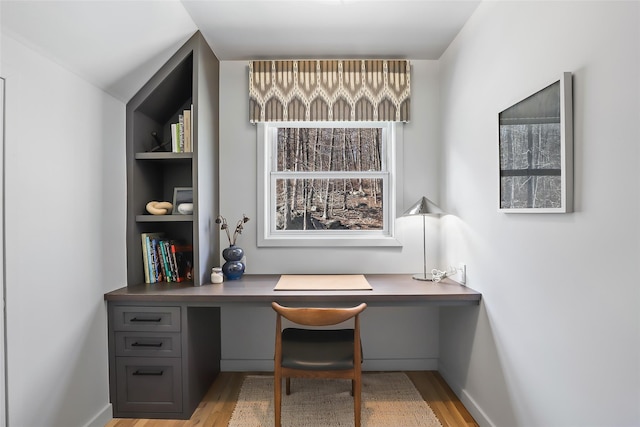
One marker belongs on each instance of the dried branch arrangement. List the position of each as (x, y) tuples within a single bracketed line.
[(239, 226)]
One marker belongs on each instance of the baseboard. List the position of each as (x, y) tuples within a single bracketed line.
[(427, 364), (467, 400), (102, 418), (240, 365), (257, 365)]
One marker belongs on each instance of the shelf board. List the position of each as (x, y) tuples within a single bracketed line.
[(163, 285), (164, 155), (164, 218)]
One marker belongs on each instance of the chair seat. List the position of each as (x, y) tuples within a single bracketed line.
[(318, 350)]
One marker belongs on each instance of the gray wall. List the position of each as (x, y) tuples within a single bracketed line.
[(65, 210), (556, 340), (248, 333)]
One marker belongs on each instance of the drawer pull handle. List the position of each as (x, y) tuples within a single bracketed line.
[(154, 319), (156, 373), (146, 344)]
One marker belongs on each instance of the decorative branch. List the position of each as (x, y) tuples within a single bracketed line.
[(239, 226)]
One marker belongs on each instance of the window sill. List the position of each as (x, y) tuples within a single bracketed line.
[(328, 241)]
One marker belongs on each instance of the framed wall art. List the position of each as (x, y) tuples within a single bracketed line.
[(536, 151)]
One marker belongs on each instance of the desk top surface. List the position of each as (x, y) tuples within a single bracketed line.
[(387, 288)]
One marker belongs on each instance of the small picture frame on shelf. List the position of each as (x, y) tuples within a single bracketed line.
[(183, 201)]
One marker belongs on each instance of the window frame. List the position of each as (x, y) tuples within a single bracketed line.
[(392, 134)]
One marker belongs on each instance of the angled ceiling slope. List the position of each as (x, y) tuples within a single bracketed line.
[(115, 45)]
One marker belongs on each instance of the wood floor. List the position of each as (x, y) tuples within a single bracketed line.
[(216, 408)]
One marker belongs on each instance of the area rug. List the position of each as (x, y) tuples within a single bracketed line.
[(388, 399)]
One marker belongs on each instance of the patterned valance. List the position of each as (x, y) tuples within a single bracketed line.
[(323, 90)]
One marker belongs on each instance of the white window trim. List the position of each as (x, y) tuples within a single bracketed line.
[(328, 238)]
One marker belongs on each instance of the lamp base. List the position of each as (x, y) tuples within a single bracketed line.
[(422, 276)]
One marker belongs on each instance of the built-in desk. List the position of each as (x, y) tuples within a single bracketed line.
[(387, 289), (164, 339)]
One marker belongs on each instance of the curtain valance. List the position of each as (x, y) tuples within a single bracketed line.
[(329, 90)]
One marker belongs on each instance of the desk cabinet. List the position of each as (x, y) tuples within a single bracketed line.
[(148, 385), (162, 359)]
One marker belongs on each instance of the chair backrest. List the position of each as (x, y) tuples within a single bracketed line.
[(317, 316)]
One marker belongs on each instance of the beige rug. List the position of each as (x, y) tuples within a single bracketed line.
[(388, 400)]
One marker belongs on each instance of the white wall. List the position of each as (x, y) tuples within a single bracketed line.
[(556, 341), (3, 420), (65, 248), (3, 412), (418, 348)]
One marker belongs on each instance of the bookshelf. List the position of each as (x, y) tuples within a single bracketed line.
[(187, 81), (151, 373)]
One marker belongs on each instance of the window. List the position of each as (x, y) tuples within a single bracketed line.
[(327, 183)]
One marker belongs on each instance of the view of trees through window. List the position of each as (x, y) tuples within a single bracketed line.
[(329, 179)]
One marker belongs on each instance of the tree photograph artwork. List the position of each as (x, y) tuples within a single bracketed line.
[(535, 151)]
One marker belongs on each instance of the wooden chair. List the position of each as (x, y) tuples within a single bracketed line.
[(317, 353)]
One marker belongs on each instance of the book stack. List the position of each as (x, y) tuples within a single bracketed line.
[(166, 260), (182, 133)]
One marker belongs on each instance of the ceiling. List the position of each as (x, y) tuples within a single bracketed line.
[(118, 44)]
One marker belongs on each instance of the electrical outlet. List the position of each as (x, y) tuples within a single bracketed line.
[(461, 273)]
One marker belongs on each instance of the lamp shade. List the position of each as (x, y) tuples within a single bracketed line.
[(424, 206)]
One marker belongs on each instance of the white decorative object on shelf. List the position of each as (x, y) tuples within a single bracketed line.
[(216, 275), (185, 208)]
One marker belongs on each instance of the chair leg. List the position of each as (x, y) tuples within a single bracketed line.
[(353, 387), (357, 391), (288, 386), (277, 398)]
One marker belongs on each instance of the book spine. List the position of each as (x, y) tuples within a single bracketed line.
[(157, 261), (187, 131), (170, 262), (175, 257), (152, 276), (145, 256), (181, 133), (174, 140), (165, 265), (191, 128)]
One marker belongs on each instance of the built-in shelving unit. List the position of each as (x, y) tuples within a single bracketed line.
[(163, 358), (189, 80)]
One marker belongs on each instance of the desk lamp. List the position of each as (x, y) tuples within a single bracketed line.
[(424, 207)]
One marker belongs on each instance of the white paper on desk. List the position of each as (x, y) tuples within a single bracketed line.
[(322, 282)]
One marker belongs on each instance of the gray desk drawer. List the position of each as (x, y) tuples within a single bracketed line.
[(148, 344), (152, 319), (148, 384)]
